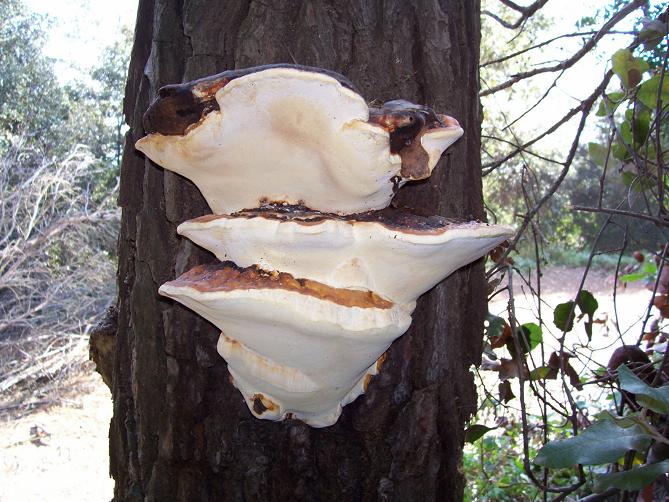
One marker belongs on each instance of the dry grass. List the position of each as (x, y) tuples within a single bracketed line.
[(58, 226)]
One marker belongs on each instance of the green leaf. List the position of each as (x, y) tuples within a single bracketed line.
[(586, 21), (598, 153), (601, 443), (619, 152), (495, 325), (610, 103), (616, 97), (650, 268), (624, 422), (626, 131), (640, 127), (588, 305), (588, 327), (628, 68), (533, 333), (543, 372), (656, 399), (586, 302), (652, 33), (561, 317), (601, 111), (633, 419), (637, 183), (529, 336), (476, 431), (636, 276), (634, 479)]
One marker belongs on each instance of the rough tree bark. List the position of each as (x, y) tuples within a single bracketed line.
[(180, 431)]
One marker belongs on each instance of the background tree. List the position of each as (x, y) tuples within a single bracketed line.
[(31, 101), (180, 430), (599, 200), (58, 220)]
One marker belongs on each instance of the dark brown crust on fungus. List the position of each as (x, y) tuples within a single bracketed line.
[(392, 218), (406, 123), (226, 276), (261, 404), (179, 106)]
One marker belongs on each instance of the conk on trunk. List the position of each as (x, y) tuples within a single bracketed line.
[(317, 275)]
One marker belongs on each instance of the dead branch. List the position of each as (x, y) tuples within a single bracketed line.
[(582, 107), (57, 222)]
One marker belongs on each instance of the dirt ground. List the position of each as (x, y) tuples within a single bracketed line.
[(60, 453)]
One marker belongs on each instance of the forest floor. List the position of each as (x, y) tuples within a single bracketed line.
[(59, 453)]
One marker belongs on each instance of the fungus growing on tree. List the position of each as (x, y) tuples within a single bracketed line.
[(296, 136), (304, 346), (317, 276), (394, 253)]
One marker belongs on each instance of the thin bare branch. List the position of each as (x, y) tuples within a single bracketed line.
[(548, 42), (585, 104), (568, 63), (56, 222), (525, 13), (631, 214)]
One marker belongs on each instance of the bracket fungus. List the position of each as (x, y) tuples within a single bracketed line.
[(396, 254), (301, 345), (316, 274), (301, 137)]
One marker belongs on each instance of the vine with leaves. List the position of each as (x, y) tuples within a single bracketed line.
[(621, 451)]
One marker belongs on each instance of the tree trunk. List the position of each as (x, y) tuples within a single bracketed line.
[(180, 430)]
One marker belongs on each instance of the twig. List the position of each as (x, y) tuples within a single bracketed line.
[(568, 63), (622, 212), (584, 106), (656, 285), (523, 408), (547, 42), (526, 13), (615, 280), (537, 103), (658, 138)]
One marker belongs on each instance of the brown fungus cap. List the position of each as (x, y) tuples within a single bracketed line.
[(396, 219), (293, 346), (226, 276), (407, 123)]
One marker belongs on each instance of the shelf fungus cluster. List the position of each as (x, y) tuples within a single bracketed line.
[(317, 275)]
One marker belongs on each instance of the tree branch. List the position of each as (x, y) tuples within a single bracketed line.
[(525, 13), (588, 102), (568, 63), (585, 108), (621, 212), (547, 42)]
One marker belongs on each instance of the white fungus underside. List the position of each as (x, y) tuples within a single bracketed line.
[(309, 356), (399, 266)]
